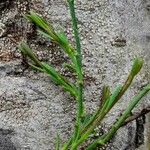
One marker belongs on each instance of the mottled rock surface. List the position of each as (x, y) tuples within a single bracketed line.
[(32, 108)]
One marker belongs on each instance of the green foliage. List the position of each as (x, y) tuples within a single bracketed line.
[(137, 65), (85, 123), (57, 142)]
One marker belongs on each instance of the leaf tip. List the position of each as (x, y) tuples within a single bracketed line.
[(137, 65)]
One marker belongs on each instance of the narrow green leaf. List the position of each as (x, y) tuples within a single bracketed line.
[(105, 94), (56, 77), (45, 34), (42, 24), (60, 79), (43, 70), (70, 66), (50, 70), (47, 30), (53, 72), (36, 68), (27, 51), (106, 137), (86, 119), (137, 65), (39, 21), (63, 38), (112, 100), (104, 102), (57, 142)]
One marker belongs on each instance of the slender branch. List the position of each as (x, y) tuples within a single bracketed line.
[(137, 115), (80, 107), (102, 140), (75, 27), (110, 102), (86, 131)]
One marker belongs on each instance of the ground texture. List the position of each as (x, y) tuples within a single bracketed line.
[(32, 108)]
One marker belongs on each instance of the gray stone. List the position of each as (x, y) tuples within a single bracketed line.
[(113, 33)]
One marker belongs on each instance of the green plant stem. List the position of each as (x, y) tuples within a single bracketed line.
[(102, 113), (107, 106), (82, 130), (102, 107), (86, 131), (66, 145), (60, 79), (58, 142), (137, 65), (125, 86), (103, 140), (98, 116), (80, 107), (75, 27)]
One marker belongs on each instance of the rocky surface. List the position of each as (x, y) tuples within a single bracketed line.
[(32, 108)]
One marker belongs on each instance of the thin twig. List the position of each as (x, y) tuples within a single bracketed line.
[(78, 69), (137, 115), (106, 137)]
